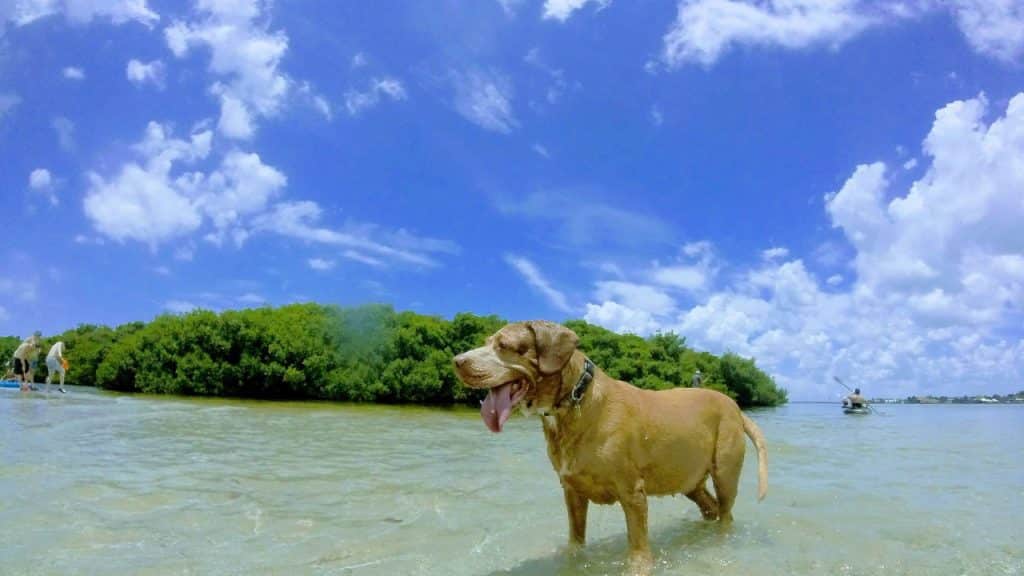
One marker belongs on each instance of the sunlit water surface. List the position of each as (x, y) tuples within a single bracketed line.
[(96, 483)]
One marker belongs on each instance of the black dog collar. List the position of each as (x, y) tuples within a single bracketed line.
[(581, 385)]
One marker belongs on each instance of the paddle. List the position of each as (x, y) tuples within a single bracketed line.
[(868, 406)]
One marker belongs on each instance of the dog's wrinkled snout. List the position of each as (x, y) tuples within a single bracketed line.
[(459, 361)]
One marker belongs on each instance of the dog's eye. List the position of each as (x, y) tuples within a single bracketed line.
[(522, 348), (502, 345)]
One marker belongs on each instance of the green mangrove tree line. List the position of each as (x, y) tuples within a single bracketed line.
[(364, 354)]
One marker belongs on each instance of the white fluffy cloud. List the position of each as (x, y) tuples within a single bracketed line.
[(244, 53), (775, 253), (485, 99), (242, 186), (142, 73), (640, 297), (161, 197), (704, 30), (84, 11), (73, 73), (939, 278), (42, 182), (40, 179), (993, 27), (561, 10), (143, 201), (158, 199), (691, 278), (510, 7), (959, 252), (357, 102), (321, 264)]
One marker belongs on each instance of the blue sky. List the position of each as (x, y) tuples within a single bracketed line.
[(833, 187)]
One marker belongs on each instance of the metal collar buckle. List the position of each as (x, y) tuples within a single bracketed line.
[(581, 385)]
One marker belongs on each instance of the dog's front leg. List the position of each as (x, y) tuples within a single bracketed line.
[(576, 505), (634, 504)]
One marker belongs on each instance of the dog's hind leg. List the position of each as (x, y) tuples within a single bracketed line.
[(726, 468), (704, 500)]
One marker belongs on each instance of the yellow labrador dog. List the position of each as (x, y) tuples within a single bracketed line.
[(608, 440)]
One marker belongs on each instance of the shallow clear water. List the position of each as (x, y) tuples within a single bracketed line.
[(97, 483)]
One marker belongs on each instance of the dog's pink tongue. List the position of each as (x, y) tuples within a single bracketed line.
[(497, 407)]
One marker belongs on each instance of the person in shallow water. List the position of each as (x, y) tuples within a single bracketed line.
[(855, 400), (24, 356), (56, 364)]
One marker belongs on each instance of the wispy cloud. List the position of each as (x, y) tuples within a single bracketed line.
[(485, 99), (8, 101), (320, 264), (65, 130), (25, 290), (300, 220), (657, 118), (561, 10), (252, 298), (179, 306), (357, 256), (536, 279), (357, 102), (585, 221)]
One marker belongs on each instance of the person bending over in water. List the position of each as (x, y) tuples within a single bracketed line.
[(24, 355), (855, 400), (56, 364)]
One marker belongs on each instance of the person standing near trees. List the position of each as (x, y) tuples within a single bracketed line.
[(56, 364), (697, 379)]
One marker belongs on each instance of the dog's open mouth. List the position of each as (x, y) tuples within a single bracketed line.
[(497, 407)]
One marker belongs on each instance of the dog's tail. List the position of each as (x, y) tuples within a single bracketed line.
[(762, 455)]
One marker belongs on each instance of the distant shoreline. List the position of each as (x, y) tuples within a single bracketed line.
[(904, 402)]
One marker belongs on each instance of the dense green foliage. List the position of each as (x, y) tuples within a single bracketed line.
[(365, 354)]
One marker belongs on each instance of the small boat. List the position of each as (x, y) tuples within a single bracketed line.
[(12, 385), (856, 410)]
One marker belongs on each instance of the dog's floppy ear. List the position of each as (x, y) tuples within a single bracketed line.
[(555, 345)]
